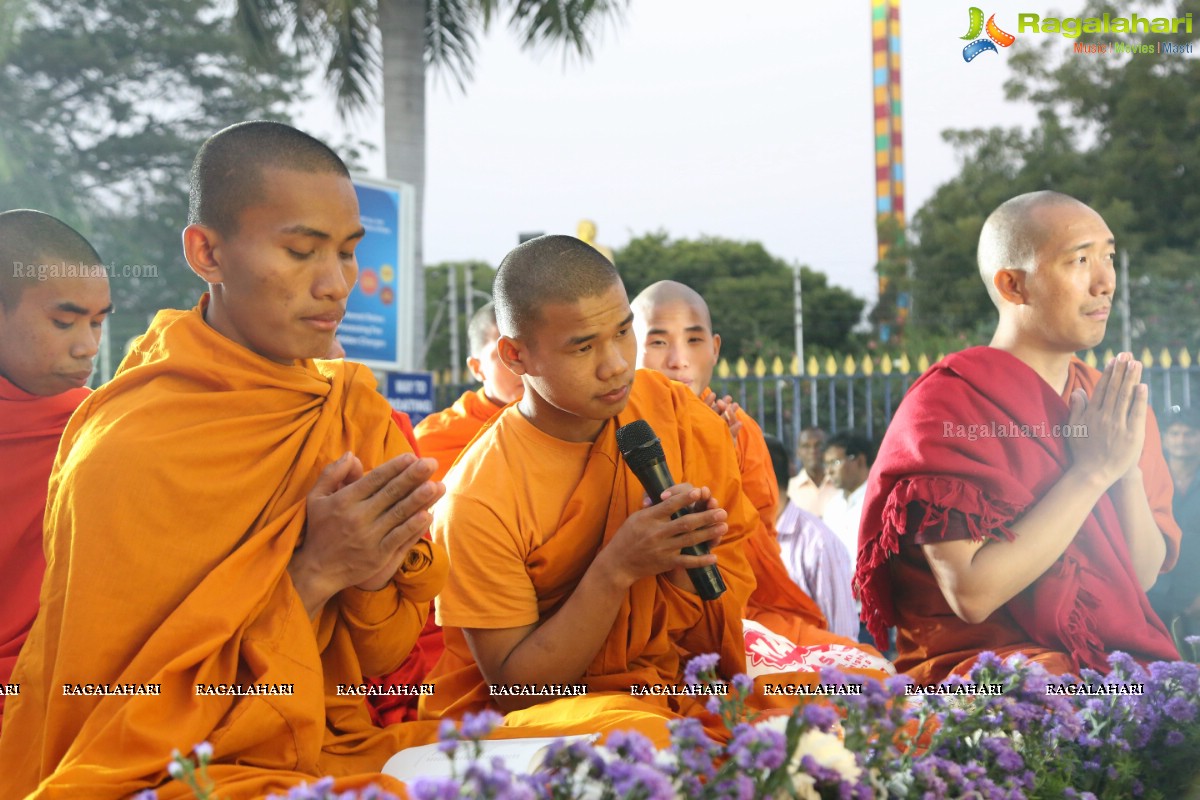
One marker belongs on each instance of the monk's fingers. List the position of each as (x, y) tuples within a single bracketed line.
[(403, 535), (1138, 409), (355, 473), (377, 481), (697, 521), (695, 562), (333, 476), (416, 502), (401, 488), (1129, 389)]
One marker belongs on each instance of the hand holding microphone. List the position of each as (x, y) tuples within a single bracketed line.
[(678, 526)]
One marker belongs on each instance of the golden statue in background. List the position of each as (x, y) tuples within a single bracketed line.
[(586, 230)]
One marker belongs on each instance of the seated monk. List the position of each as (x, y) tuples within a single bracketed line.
[(561, 573), (1020, 502), (675, 337), (444, 434), (233, 528), (49, 333)]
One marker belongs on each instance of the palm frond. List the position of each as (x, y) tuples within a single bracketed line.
[(571, 23), (450, 35), (355, 60)]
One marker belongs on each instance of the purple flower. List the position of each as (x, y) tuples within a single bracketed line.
[(434, 789), (1174, 739), (146, 794), (477, 726), (699, 667), (1180, 710), (632, 746), (819, 716), (743, 683)]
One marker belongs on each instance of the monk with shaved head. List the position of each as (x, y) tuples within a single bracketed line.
[(1020, 502), (675, 337), (562, 573), (234, 525), (54, 300)]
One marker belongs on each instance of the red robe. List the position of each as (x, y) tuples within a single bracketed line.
[(30, 428), (1088, 604)]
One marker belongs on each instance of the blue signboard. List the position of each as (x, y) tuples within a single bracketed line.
[(410, 392), (379, 312)]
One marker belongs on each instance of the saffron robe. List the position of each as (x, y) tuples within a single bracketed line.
[(445, 434), (30, 428), (521, 532), (175, 505), (1088, 604)]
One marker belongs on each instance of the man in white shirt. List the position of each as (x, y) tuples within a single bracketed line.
[(848, 459), (809, 489), (816, 561)]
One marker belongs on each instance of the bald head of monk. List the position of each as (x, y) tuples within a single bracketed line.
[(500, 385), (674, 333), (273, 227), (566, 328), (54, 298), (1047, 262)]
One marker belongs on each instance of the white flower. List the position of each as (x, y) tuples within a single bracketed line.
[(829, 752), (204, 752)]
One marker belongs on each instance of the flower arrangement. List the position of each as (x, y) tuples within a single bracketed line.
[(1133, 733)]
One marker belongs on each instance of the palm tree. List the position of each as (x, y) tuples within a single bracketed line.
[(412, 35)]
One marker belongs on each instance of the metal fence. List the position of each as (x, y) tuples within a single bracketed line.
[(862, 394)]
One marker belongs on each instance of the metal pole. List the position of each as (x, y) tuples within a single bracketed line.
[(799, 315), (468, 292), (452, 301), (1126, 340)]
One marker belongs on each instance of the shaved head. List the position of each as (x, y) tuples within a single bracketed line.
[(481, 330), (669, 292), (31, 239), (1013, 233), (544, 271), (226, 175)]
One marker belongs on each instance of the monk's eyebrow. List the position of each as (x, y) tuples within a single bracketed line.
[(71, 308), (1086, 245), (305, 230), (575, 341)]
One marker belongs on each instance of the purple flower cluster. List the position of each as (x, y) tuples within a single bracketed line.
[(1023, 741)]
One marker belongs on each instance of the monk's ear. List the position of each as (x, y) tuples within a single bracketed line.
[(512, 353), (473, 365), (200, 244), (1010, 285), (716, 347)]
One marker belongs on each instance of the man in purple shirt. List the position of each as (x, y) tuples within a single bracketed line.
[(815, 559)]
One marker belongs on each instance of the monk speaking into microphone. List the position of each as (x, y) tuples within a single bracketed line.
[(233, 528), (1020, 502)]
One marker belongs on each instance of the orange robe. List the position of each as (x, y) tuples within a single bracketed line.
[(176, 502), (932, 641), (776, 602), (30, 428), (445, 434), (442, 435), (519, 548)]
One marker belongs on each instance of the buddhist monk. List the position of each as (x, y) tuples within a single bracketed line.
[(54, 300), (1020, 502), (675, 337), (233, 528), (562, 573), (443, 435)]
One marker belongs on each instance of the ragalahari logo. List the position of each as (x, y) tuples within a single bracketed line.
[(995, 36)]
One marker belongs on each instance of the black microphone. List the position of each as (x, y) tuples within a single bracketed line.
[(643, 452)]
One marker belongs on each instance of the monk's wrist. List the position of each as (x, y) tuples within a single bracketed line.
[(309, 584), (608, 573)]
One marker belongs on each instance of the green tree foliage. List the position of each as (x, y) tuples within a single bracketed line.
[(103, 105), (749, 293), (1121, 133)]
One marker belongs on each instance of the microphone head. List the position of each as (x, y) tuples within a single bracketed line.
[(639, 444)]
